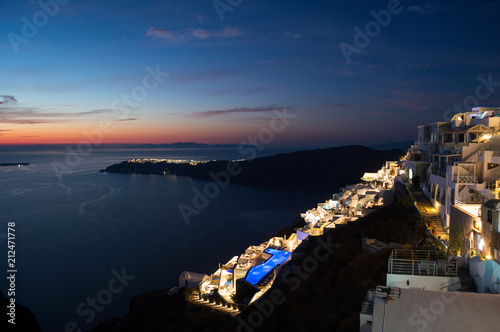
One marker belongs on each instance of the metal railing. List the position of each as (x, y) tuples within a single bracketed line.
[(422, 262), (419, 254), (367, 305), (264, 286), (465, 179)]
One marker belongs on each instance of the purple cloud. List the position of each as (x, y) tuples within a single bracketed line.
[(236, 110), (102, 111), (334, 107), (11, 113), (228, 32), (211, 75), (379, 113), (187, 34), (293, 35), (200, 33), (425, 9), (160, 32), (7, 100)]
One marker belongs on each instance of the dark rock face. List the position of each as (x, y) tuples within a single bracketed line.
[(326, 298), (25, 320), (157, 312)]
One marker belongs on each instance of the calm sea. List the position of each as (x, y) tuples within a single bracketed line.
[(71, 235)]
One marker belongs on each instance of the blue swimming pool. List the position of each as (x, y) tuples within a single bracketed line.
[(256, 273)]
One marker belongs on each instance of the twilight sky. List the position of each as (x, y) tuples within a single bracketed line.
[(218, 74)]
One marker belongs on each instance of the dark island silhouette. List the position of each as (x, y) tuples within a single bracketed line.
[(25, 320), (13, 164), (329, 168)]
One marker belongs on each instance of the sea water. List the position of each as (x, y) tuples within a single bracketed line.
[(76, 233)]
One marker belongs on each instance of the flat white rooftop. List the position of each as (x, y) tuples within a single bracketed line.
[(422, 310), (471, 209)]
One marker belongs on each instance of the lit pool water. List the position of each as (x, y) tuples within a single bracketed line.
[(256, 273)]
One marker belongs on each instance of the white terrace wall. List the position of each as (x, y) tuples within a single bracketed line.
[(423, 282)]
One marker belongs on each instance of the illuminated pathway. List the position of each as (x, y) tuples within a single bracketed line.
[(428, 212), (194, 298)]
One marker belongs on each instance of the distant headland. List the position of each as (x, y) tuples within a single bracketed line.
[(315, 169), (14, 164)]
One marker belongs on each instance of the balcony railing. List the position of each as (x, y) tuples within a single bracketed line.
[(421, 262), (367, 305), (385, 293), (419, 254), (465, 178)]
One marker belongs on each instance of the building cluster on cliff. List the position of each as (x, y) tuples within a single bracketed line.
[(260, 265), (456, 165)]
